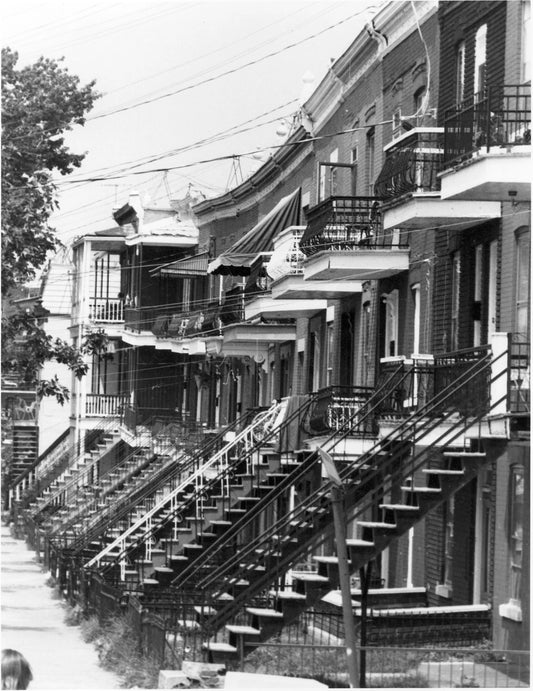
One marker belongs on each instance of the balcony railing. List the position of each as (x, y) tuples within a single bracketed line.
[(336, 406), (104, 405), (288, 259), (497, 117), (519, 385), (428, 377), (412, 167), (346, 223), (109, 310)]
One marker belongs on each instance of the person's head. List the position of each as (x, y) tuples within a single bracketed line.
[(16, 672)]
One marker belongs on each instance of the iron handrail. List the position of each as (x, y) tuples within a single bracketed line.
[(322, 493), (364, 414), (166, 475), (199, 495), (359, 487)]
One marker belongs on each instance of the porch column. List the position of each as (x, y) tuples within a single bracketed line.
[(500, 343)]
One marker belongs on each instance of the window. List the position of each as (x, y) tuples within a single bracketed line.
[(521, 325), (516, 529), (391, 323), (456, 281), (447, 563), (330, 341), (480, 59), (418, 104), (415, 294), (354, 158), (370, 160), (525, 72), (460, 72), (396, 123)]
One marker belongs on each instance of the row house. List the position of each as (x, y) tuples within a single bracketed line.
[(364, 293)]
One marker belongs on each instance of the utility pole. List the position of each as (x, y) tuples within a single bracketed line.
[(339, 519)]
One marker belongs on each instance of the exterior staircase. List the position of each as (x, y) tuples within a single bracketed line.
[(143, 550), (238, 573)]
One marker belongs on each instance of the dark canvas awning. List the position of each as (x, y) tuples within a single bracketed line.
[(237, 260), (186, 267)]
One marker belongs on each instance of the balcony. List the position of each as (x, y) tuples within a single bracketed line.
[(105, 405), (344, 239), (487, 146), (410, 187), (106, 310), (286, 268)]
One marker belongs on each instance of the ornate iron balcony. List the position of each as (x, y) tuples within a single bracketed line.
[(411, 167), (500, 116), (345, 223)]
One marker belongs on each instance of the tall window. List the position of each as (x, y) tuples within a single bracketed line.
[(418, 102), (480, 59), (460, 72), (370, 159), (447, 561), (525, 75), (391, 323), (329, 359), (415, 294), (523, 240), (456, 282), (516, 529), (396, 123)]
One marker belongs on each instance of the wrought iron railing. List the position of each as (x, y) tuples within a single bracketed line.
[(411, 167), (519, 384), (345, 223), (335, 406), (427, 377), (500, 116), (285, 540)]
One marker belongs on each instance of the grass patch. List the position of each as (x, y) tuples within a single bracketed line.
[(119, 651)]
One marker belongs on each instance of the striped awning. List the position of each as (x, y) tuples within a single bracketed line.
[(238, 259), (189, 266)]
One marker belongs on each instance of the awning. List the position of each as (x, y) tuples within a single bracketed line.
[(237, 260), (186, 267)]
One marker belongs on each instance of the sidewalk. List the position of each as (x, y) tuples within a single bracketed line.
[(32, 622)]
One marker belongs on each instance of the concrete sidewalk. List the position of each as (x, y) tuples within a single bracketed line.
[(33, 623)]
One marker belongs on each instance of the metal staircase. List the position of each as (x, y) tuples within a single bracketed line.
[(243, 589), (141, 550)]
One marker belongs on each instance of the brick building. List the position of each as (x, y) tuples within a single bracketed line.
[(372, 279)]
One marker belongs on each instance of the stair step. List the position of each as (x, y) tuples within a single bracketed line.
[(359, 544), (464, 454), (327, 559), (216, 647), (241, 630), (423, 490), (287, 595), (264, 612), (205, 611), (399, 507), (443, 471), (377, 524)]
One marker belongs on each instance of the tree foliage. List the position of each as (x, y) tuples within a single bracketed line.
[(40, 103)]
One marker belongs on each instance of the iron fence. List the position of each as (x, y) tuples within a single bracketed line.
[(500, 116)]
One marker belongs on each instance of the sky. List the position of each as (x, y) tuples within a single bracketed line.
[(173, 73)]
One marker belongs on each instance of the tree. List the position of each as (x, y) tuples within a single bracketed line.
[(40, 102)]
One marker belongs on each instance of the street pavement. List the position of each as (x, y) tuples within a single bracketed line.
[(33, 623)]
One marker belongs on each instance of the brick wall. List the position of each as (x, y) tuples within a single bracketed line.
[(459, 21)]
